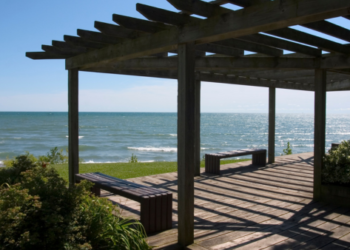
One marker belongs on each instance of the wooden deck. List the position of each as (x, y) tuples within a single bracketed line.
[(250, 207)]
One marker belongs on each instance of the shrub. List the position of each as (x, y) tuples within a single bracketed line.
[(40, 212), (336, 167), (133, 159), (11, 175), (288, 150)]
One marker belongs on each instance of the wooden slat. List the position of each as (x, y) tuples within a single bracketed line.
[(240, 23), (97, 37), (81, 42), (116, 30), (59, 51), (303, 37), (64, 45), (138, 24), (44, 55), (173, 18), (329, 29)]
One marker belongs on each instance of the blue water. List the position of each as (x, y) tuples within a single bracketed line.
[(114, 137)]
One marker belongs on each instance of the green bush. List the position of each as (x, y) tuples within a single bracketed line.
[(11, 175), (288, 150), (38, 211), (133, 159), (336, 167)]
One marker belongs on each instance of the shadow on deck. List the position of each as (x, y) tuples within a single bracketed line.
[(249, 207)]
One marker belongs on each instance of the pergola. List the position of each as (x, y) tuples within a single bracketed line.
[(140, 47)]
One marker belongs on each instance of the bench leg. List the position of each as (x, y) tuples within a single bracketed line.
[(96, 190), (156, 212), (259, 159), (212, 164)]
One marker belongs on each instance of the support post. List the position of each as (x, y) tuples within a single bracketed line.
[(320, 129), (197, 170), (186, 142), (272, 124), (73, 125)]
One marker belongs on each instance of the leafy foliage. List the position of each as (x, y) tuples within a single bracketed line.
[(336, 167), (288, 150), (133, 159), (38, 211)]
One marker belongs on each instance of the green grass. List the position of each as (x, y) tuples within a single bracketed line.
[(128, 170)]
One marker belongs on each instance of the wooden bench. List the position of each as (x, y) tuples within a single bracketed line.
[(156, 204), (212, 161)]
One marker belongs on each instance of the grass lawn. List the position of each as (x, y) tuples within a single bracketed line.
[(128, 170)]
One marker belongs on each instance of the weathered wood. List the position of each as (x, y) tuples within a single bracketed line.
[(240, 23), (64, 45), (97, 37), (229, 63), (44, 55), (59, 51), (83, 43), (138, 24), (186, 142), (212, 161), (73, 125), (329, 29), (178, 19), (303, 37), (197, 132), (272, 124), (219, 49), (282, 44), (117, 31), (200, 8), (320, 129)]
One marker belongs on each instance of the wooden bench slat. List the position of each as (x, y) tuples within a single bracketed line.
[(156, 204), (212, 161)]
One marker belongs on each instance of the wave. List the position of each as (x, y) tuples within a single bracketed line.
[(17, 138), (173, 134), (153, 149), (80, 137)]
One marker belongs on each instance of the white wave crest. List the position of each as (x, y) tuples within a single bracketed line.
[(153, 149), (173, 134), (80, 137)]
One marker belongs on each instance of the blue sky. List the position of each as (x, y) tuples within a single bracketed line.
[(41, 85)]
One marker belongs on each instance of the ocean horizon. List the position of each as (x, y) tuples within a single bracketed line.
[(152, 136)]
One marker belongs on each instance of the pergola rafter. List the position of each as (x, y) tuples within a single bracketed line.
[(141, 47)]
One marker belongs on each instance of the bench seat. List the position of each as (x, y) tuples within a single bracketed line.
[(212, 161), (156, 204)]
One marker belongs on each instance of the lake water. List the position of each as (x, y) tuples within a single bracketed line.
[(114, 137)]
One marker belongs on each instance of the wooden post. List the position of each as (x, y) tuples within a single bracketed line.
[(186, 133), (320, 128), (272, 123), (73, 125), (197, 169)]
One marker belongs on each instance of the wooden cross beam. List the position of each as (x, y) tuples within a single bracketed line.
[(244, 22)]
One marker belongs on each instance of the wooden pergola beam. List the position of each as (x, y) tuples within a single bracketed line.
[(244, 22), (64, 45), (59, 51), (219, 49), (229, 63), (83, 43), (166, 16), (282, 44), (117, 31), (316, 41), (329, 29), (138, 24), (97, 37), (44, 55)]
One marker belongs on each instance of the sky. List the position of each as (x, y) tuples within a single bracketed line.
[(41, 85)]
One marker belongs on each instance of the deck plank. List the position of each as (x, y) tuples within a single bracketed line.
[(253, 207)]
